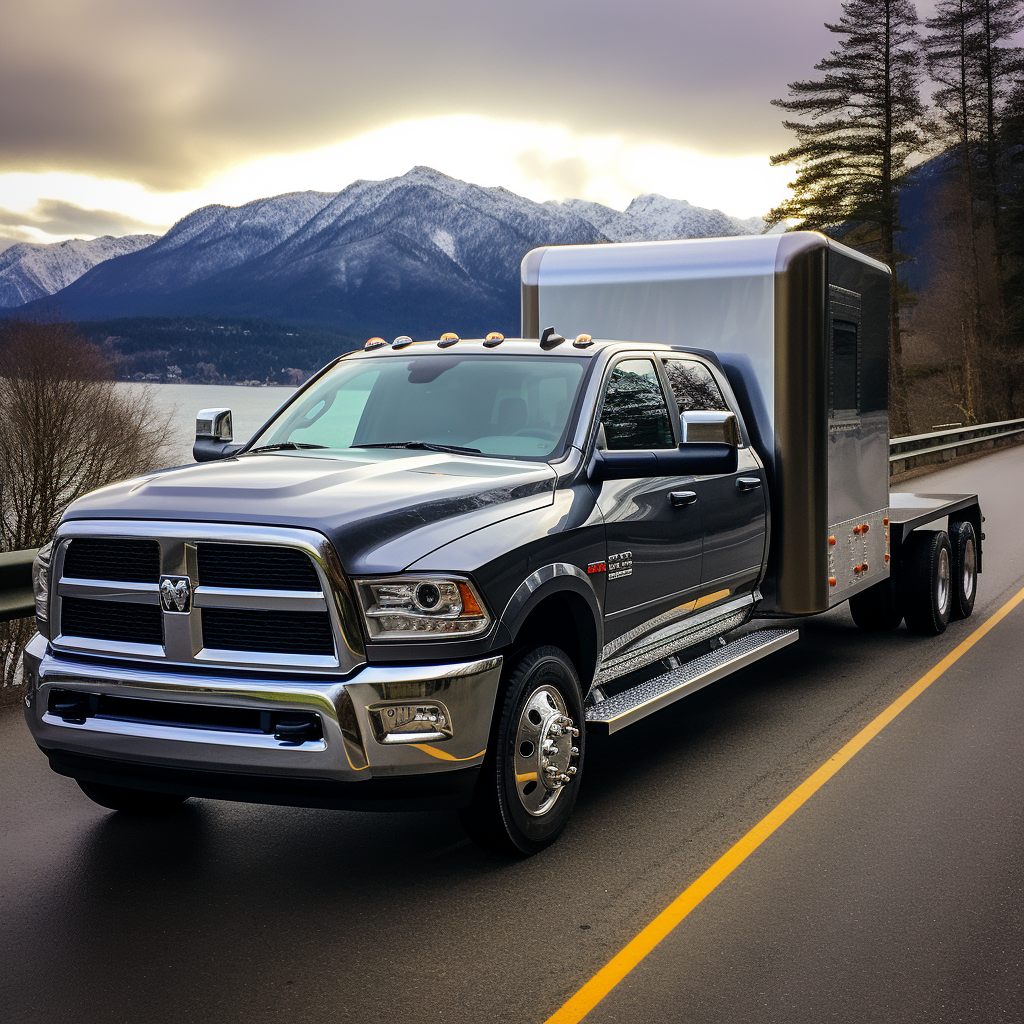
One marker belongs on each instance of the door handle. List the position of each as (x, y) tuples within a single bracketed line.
[(682, 497), (748, 483)]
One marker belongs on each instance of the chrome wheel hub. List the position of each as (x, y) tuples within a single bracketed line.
[(544, 750), (942, 580), (970, 560)]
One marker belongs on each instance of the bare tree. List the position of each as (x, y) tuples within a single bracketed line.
[(65, 429)]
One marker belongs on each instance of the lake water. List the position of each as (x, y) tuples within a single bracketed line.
[(250, 409)]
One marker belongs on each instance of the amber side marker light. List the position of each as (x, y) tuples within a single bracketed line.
[(447, 340), (583, 341), (374, 343), (469, 602)]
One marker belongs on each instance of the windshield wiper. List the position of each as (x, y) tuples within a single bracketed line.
[(425, 446), (284, 446)]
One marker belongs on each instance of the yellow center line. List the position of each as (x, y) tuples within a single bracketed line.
[(580, 1004)]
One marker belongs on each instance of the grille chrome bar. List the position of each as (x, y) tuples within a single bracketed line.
[(179, 556), (279, 600), (106, 590)]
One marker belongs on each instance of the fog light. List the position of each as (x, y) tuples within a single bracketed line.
[(420, 722)]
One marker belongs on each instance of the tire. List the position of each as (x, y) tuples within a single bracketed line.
[(963, 543), (878, 608), (130, 801), (926, 582), (540, 713)]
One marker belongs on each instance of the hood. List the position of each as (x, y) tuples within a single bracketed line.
[(382, 511)]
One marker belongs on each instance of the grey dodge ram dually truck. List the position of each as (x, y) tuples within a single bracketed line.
[(442, 563)]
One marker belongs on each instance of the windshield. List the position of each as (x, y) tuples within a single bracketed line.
[(487, 404)]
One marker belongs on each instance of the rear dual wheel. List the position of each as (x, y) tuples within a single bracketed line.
[(963, 544), (926, 581), (937, 581), (530, 776)]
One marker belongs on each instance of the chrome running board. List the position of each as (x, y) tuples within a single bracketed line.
[(631, 705), (672, 633)]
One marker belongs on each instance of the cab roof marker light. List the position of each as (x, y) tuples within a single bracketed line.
[(401, 341), (583, 341), (374, 343), (493, 340), (447, 340)]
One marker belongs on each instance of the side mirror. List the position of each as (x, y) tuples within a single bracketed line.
[(691, 458), (213, 435), (714, 427)]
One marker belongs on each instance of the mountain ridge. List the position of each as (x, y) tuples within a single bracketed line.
[(418, 253), (33, 270)]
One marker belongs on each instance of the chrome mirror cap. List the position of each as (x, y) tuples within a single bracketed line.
[(214, 425), (713, 427)]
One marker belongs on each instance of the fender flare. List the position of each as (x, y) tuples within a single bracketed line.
[(545, 582)]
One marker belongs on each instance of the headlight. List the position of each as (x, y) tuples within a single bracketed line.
[(418, 608), (41, 587)]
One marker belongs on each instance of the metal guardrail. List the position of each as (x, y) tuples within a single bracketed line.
[(16, 600), (915, 450), (905, 453)]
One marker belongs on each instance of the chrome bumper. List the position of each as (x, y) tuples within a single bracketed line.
[(348, 752)]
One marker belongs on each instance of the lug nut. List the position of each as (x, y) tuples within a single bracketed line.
[(575, 733), (574, 751), (571, 770)]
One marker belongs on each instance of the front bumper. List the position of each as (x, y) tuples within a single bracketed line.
[(350, 751)]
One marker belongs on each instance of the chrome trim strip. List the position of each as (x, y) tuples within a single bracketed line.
[(94, 646), (106, 590), (263, 659), (267, 600)]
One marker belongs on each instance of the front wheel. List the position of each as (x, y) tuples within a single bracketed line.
[(531, 774)]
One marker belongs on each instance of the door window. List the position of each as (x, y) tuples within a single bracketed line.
[(694, 387), (635, 414)]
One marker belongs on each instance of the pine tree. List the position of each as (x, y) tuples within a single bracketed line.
[(1000, 70), (974, 71), (861, 123)]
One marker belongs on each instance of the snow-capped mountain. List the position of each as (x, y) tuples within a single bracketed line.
[(31, 270), (420, 254), (654, 218)]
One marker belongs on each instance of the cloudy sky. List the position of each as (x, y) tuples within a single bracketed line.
[(120, 116)]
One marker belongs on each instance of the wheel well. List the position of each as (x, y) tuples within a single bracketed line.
[(564, 620)]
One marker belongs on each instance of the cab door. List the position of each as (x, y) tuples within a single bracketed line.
[(733, 505), (653, 525)]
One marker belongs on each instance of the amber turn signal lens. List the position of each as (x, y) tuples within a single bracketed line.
[(469, 602)]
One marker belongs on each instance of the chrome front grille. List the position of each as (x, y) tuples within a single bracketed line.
[(189, 594)]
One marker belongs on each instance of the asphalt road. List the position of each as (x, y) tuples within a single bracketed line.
[(895, 893)]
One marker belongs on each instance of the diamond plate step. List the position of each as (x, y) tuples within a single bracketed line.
[(631, 705)]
